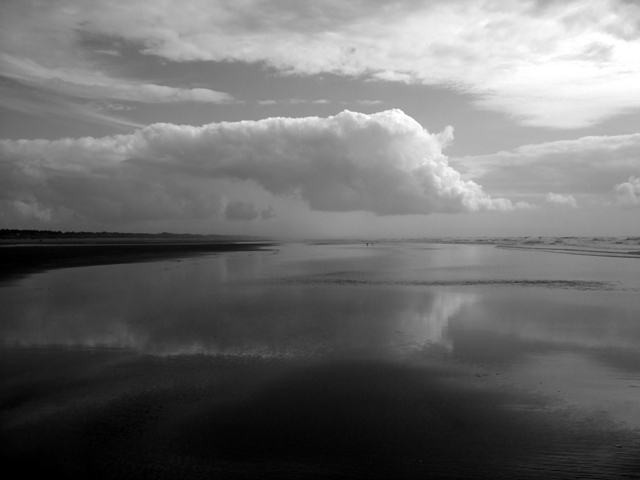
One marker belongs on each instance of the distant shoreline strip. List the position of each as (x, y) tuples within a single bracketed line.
[(560, 284), (20, 260), (576, 251)]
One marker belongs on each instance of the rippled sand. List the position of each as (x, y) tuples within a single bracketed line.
[(109, 414)]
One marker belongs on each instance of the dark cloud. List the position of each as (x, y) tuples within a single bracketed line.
[(268, 213), (239, 210)]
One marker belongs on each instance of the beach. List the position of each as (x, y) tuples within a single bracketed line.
[(397, 360), (22, 258)]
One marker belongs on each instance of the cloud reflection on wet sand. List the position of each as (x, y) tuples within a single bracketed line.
[(192, 307)]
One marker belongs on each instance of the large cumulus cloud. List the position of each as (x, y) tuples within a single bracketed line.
[(384, 163)]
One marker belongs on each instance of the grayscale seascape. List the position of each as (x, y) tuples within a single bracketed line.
[(391, 360), (371, 239)]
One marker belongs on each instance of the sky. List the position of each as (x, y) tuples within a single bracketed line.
[(321, 119)]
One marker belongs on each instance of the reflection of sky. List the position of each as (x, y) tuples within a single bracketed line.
[(536, 318), (334, 298), (580, 346), (564, 350), (218, 304)]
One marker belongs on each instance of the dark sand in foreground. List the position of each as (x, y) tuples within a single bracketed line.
[(19, 260), (112, 414)]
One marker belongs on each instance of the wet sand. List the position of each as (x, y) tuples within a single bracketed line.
[(358, 412), (84, 413)]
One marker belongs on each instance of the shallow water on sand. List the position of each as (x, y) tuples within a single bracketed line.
[(459, 360)]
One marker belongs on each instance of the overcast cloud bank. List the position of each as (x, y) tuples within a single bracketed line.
[(566, 64), (384, 163), (589, 167)]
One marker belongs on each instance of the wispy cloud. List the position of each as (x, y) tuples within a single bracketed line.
[(384, 163), (42, 49), (370, 102), (588, 167), (556, 64), (31, 101), (113, 53), (93, 85)]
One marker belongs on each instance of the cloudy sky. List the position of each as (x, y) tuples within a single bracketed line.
[(392, 118)]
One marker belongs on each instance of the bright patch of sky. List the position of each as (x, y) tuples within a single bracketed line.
[(465, 117)]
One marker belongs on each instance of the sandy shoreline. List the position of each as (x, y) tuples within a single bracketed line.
[(597, 251), (18, 260), (626, 247), (120, 413), (26, 256)]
